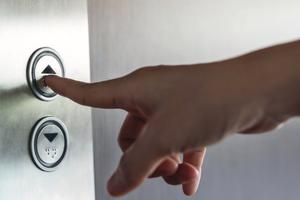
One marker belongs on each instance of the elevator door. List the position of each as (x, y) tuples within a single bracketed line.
[(45, 140)]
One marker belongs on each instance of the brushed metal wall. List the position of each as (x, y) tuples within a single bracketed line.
[(26, 25), (129, 34)]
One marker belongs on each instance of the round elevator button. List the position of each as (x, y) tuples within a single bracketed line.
[(49, 143), (44, 61)]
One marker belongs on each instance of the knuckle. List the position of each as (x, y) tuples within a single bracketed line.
[(145, 70), (83, 97), (141, 70)]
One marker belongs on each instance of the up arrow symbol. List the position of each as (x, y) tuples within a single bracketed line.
[(48, 70)]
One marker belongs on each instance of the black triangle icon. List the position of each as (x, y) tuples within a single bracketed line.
[(48, 70), (50, 136)]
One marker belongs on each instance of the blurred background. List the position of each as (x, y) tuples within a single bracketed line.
[(128, 34)]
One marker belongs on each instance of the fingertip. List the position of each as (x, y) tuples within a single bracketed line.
[(113, 186), (188, 191), (190, 188), (54, 82), (59, 85), (118, 185), (49, 79)]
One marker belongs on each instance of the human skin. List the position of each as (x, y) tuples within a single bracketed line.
[(175, 110)]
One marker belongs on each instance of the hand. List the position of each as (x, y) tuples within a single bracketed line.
[(174, 172), (173, 110)]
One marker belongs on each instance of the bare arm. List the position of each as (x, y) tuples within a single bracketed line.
[(182, 109)]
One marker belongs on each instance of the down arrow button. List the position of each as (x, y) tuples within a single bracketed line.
[(50, 136)]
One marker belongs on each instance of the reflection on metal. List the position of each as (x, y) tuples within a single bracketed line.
[(26, 26)]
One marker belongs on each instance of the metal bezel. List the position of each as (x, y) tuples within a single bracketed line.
[(31, 65), (33, 143)]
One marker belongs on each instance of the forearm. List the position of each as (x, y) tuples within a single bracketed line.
[(276, 76)]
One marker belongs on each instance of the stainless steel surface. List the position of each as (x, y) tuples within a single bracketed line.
[(44, 61), (26, 25), (49, 143)]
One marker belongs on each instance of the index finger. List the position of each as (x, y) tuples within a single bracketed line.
[(107, 94)]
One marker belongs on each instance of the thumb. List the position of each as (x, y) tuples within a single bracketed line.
[(107, 94), (136, 164)]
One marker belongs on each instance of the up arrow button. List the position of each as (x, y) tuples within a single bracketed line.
[(48, 70), (44, 61)]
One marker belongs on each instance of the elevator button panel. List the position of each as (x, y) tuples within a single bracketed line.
[(49, 143), (44, 61)]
